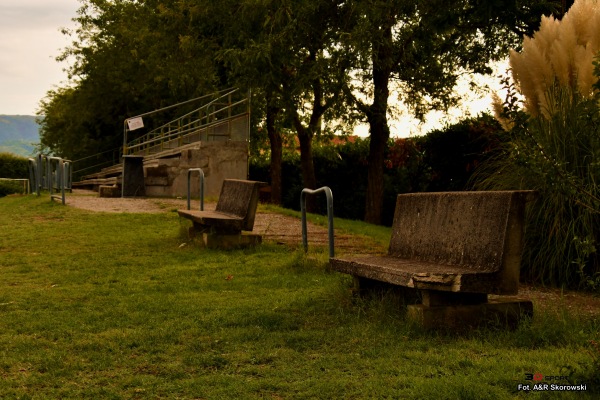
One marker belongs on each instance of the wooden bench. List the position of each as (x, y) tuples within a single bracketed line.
[(235, 212), (452, 249)]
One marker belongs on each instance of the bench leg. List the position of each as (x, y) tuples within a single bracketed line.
[(497, 312), (230, 241), (439, 298)]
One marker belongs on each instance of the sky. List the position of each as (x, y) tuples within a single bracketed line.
[(30, 40)]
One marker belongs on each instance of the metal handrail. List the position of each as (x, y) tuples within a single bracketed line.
[(61, 177), (158, 133), (201, 187), (184, 124), (135, 146), (329, 196)]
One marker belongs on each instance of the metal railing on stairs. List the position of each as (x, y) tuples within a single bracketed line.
[(224, 115)]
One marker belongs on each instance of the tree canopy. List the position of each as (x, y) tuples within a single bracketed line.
[(308, 62)]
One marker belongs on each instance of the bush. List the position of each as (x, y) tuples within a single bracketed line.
[(440, 161), (452, 154), (14, 167), (8, 187)]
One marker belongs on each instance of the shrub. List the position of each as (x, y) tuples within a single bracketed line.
[(9, 187), (14, 167), (452, 154), (440, 161)]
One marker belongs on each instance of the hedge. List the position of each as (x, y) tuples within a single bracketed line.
[(442, 160), (13, 166)]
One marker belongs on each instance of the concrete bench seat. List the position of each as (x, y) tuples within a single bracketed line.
[(454, 248), (401, 272), (218, 220), (235, 212)]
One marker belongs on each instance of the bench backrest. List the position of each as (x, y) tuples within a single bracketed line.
[(239, 198), (477, 230)]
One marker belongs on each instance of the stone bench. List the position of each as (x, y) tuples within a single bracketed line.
[(235, 212), (452, 250)]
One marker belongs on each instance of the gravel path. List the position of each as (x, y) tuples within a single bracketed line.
[(273, 227)]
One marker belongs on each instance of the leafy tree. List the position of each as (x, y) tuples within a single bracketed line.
[(127, 57), (289, 51), (422, 47)]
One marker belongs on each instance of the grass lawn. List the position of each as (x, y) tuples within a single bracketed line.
[(112, 306)]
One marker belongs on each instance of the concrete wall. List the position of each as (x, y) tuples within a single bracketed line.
[(167, 176)]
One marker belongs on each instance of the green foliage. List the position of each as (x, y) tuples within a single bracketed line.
[(8, 187), (127, 58), (554, 149), (341, 167), (13, 166), (442, 160), (452, 154)]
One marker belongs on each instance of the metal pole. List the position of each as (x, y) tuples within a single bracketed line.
[(49, 177), (329, 196), (32, 175), (40, 174), (201, 187)]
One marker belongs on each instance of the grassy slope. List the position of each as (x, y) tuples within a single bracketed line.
[(99, 305)]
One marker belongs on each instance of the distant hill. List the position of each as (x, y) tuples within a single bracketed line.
[(18, 134)]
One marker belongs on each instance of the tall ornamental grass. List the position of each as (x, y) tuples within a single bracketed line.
[(555, 148)]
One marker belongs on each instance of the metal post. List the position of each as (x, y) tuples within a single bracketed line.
[(40, 174), (201, 187), (60, 177), (68, 175), (32, 175), (49, 177), (329, 196)]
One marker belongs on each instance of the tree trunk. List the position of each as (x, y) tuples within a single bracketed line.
[(276, 144), (374, 199), (309, 178), (378, 126)]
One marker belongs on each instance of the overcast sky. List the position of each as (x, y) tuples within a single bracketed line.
[(30, 40)]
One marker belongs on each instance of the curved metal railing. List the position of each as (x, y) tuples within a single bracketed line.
[(201, 178), (329, 196)]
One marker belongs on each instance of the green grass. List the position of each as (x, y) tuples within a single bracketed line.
[(98, 305)]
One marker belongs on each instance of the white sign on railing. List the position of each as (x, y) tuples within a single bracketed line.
[(135, 123)]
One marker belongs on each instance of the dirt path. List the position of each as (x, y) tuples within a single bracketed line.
[(287, 230), (273, 227)]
